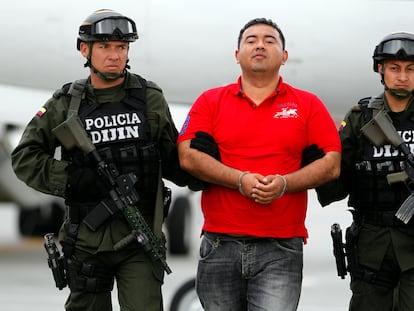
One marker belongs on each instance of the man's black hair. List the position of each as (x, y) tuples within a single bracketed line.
[(264, 21)]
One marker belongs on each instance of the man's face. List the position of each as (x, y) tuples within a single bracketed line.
[(261, 49), (398, 74), (107, 56)]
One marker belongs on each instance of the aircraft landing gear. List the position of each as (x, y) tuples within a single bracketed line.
[(186, 299)]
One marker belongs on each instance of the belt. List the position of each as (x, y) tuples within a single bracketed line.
[(378, 218), (234, 237)]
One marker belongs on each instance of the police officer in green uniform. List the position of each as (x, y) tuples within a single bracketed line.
[(129, 122), (380, 248)]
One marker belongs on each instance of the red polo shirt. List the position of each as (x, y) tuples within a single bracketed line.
[(267, 139)]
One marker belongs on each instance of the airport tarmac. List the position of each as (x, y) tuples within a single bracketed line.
[(26, 281)]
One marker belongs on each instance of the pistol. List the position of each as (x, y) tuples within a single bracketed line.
[(338, 250), (55, 261)]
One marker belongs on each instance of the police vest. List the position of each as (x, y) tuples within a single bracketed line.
[(121, 134), (370, 189)]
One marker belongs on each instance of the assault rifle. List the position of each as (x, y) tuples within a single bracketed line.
[(55, 261), (380, 130), (123, 195), (338, 250)]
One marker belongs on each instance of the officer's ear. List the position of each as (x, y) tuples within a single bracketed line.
[(84, 49), (381, 68)]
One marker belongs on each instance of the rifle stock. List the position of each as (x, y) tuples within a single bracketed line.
[(71, 134), (380, 131)]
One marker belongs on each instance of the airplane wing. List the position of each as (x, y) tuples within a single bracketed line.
[(20, 104)]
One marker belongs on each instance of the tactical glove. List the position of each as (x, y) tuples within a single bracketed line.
[(310, 154), (84, 185)]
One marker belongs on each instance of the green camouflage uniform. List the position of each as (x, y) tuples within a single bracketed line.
[(138, 278), (384, 245)]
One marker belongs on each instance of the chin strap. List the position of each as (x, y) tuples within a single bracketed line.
[(109, 76), (106, 76), (397, 93), (400, 94)]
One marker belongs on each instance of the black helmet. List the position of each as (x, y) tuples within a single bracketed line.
[(398, 45), (107, 25)]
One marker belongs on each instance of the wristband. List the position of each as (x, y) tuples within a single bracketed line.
[(284, 186), (240, 182)]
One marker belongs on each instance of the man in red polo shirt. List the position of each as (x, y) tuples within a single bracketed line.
[(255, 208)]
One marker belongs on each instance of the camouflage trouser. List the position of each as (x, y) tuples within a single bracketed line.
[(137, 279), (367, 296)]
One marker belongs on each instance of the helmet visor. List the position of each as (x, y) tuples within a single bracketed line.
[(107, 27), (393, 47)]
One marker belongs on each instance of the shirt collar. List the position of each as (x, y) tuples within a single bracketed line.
[(380, 102), (131, 83)]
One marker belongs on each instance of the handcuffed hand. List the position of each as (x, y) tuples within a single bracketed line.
[(268, 189)]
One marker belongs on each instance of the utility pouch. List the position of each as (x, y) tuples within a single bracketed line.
[(105, 209), (150, 164), (83, 277), (351, 238)]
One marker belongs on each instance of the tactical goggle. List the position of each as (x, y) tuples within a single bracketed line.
[(393, 47), (111, 26)]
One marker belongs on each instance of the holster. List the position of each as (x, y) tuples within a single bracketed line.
[(360, 272), (351, 242)]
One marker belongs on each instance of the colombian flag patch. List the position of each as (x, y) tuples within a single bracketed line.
[(41, 112), (343, 124)]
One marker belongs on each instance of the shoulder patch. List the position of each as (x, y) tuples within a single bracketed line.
[(41, 112), (153, 85), (342, 125)]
